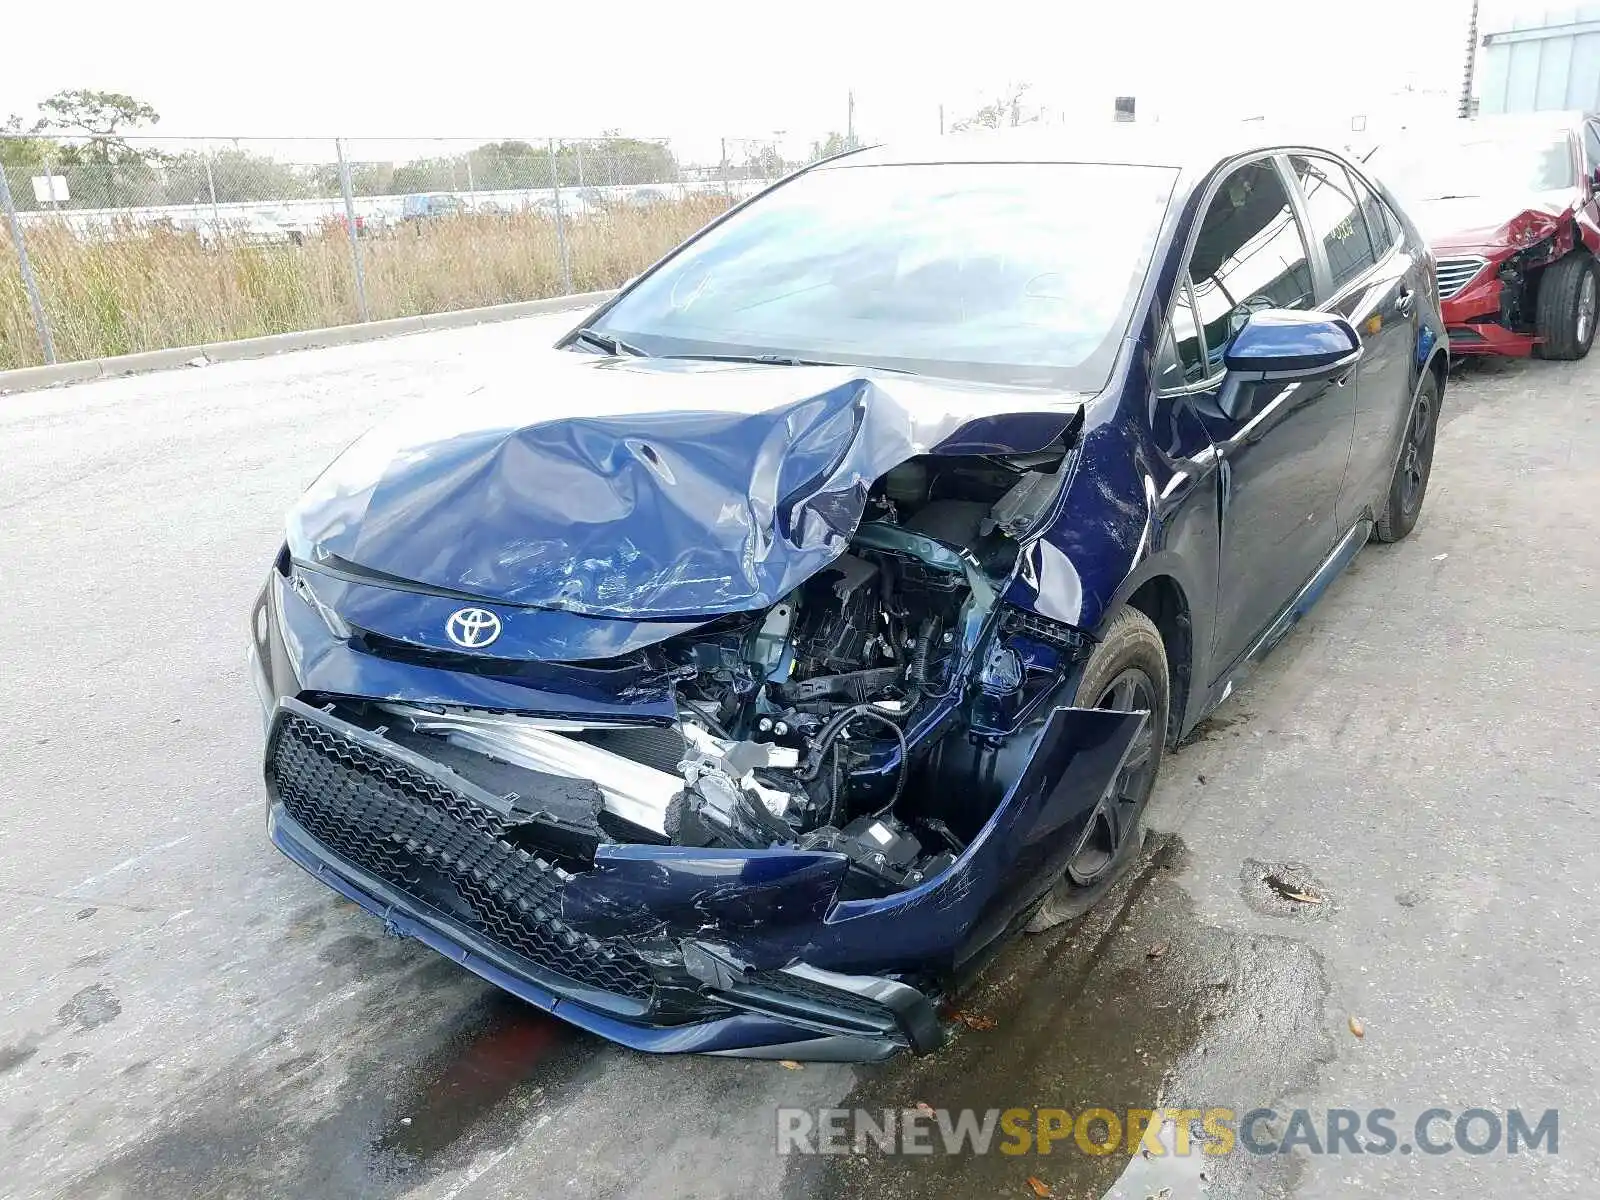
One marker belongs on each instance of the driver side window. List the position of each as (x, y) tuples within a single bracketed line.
[(1249, 256)]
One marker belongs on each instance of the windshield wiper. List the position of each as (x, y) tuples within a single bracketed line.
[(784, 360), (607, 343)]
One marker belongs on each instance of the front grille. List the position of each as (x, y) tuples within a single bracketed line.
[(441, 848), (1454, 274)]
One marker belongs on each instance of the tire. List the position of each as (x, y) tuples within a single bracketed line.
[(1127, 670), (1408, 487), (1566, 313)]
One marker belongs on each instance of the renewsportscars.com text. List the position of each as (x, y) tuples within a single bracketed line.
[(1165, 1131)]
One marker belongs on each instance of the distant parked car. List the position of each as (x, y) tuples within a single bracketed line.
[(1509, 205), (426, 208), (572, 205), (250, 229), (365, 225), (299, 226)]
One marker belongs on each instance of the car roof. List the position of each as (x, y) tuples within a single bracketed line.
[(1558, 119), (1562, 121), (1181, 146)]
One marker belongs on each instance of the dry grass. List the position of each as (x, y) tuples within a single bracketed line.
[(148, 290)]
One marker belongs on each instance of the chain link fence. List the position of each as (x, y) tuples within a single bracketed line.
[(121, 245)]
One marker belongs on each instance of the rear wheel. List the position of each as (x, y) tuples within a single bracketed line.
[(1126, 672), (1409, 485), (1569, 297)]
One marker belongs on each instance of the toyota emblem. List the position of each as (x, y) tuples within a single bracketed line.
[(472, 628)]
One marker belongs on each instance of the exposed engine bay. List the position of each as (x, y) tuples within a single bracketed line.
[(850, 716)]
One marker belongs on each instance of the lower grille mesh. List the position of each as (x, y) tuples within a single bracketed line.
[(422, 838)]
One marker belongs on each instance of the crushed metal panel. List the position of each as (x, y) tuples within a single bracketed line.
[(644, 488)]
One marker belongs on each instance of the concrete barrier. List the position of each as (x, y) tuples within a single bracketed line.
[(84, 370)]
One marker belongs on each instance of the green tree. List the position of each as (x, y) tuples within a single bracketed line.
[(426, 175), (22, 157), (614, 159), (237, 175), (1005, 110), (834, 143), (83, 134), (103, 118), (366, 179), (498, 166), (765, 163)]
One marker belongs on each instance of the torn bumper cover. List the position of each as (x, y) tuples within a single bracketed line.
[(670, 948)]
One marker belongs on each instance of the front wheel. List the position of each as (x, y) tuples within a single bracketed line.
[(1567, 307), (1126, 672)]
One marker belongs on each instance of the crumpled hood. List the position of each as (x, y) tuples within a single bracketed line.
[(643, 487), (1479, 224)]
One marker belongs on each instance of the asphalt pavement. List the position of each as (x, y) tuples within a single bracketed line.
[(185, 1013)]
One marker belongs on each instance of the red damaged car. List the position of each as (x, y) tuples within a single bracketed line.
[(1509, 206)]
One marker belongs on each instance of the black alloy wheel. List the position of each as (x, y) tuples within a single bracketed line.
[(1408, 488), (1127, 671), (1416, 460), (1117, 816)]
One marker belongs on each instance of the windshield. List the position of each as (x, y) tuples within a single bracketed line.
[(1017, 273), (1473, 162)]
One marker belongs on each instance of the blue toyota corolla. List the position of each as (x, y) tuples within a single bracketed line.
[(731, 679)]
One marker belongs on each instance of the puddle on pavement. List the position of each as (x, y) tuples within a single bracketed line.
[(1118, 1012), (430, 1069), (424, 1082), (498, 1064)]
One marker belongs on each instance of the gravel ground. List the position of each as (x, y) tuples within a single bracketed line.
[(187, 1014)]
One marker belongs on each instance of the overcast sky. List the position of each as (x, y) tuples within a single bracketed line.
[(701, 69)]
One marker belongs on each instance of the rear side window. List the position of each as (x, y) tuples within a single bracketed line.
[(1248, 256), (1381, 223), (1336, 217), (1591, 145)]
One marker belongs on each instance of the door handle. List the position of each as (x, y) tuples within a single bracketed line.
[(1404, 301)]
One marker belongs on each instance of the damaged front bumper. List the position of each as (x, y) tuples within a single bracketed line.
[(673, 949), (419, 847)]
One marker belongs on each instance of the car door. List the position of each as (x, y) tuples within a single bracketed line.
[(1282, 458), (1371, 278)]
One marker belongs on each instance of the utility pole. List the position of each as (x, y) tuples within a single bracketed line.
[(1464, 109), (941, 120), (850, 120)]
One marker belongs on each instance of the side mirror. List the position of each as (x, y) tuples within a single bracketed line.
[(1285, 345), (1281, 345)]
